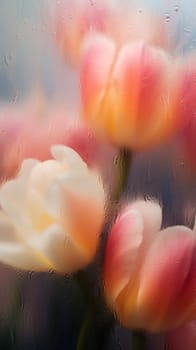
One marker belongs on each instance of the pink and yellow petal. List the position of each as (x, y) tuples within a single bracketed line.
[(168, 259), (97, 58), (121, 255), (144, 84)]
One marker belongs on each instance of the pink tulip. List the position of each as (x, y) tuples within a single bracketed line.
[(150, 274), (183, 337), (127, 92), (74, 19), (28, 131)]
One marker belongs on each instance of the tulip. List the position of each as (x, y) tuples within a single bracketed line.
[(74, 19), (149, 273), (29, 130), (183, 337), (52, 214), (126, 92)]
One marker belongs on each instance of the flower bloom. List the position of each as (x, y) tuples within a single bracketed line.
[(52, 214), (127, 91), (74, 19), (150, 274), (183, 337), (29, 130)]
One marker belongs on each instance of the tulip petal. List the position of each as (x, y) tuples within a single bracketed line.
[(78, 201), (152, 216), (13, 192), (184, 307), (38, 182), (8, 232), (121, 255), (98, 88), (26, 168), (68, 156), (141, 69), (126, 304), (98, 55), (168, 261), (59, 249), (23, 257), (41, 176)]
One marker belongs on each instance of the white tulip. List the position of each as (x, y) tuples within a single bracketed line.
[(52, 214)]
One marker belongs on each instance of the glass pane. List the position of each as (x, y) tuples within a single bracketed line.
[(97, 174)]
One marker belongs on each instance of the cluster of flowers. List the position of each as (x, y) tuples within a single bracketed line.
[(135, 95)]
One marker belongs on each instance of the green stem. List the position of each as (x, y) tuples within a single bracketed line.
[(83, 336), (138, 341), (124, 161)]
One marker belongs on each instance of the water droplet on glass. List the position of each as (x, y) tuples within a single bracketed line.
[(8, 59), (167, 17), (187, 30)]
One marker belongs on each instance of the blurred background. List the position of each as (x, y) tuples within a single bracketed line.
[(51, 310)]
